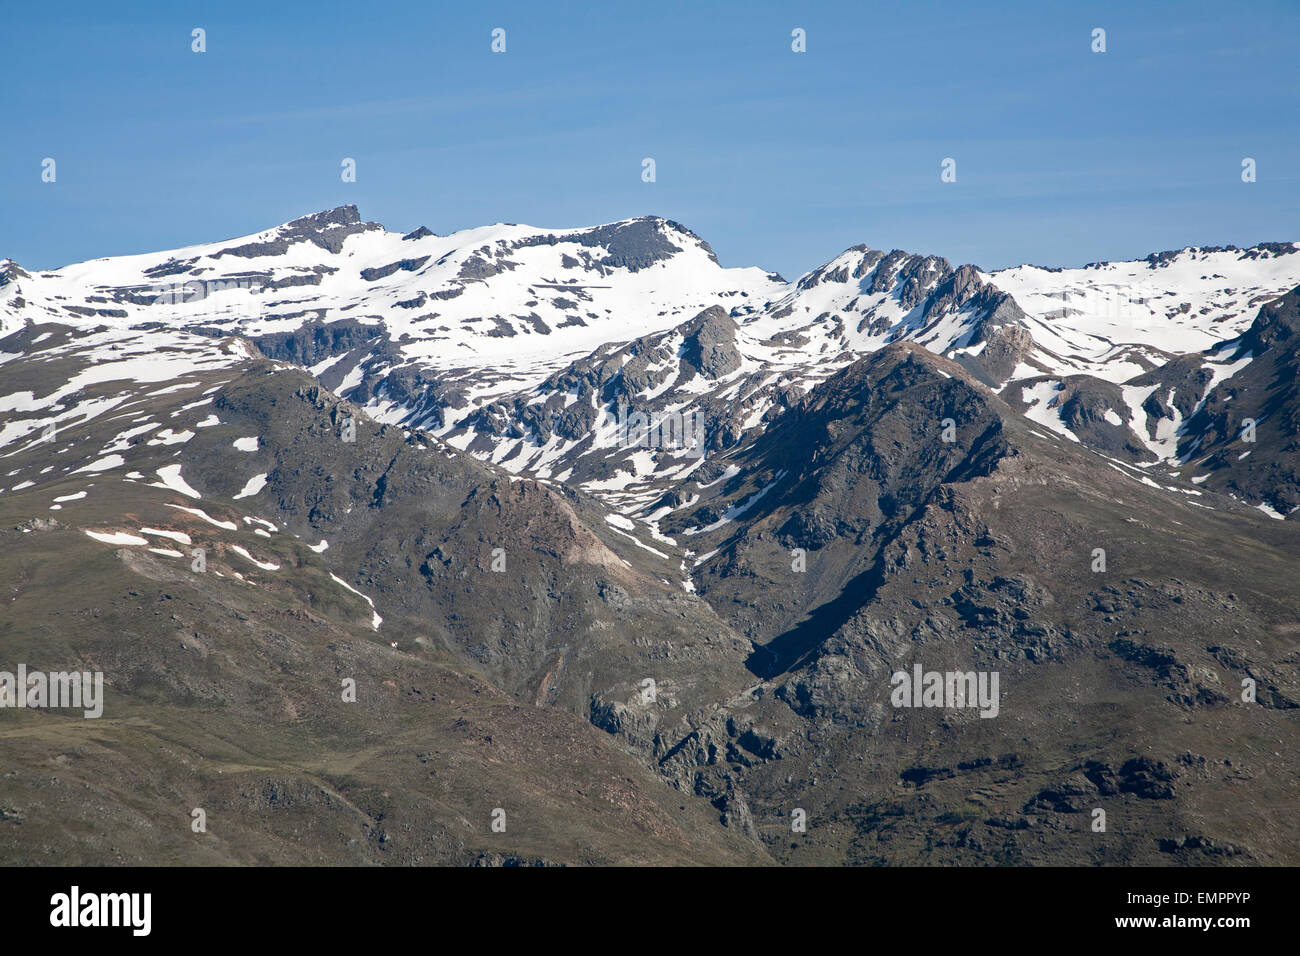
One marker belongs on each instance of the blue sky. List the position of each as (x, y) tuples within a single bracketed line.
[(778, 159)]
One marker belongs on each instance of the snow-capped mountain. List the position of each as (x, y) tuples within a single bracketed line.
[(485, 308), (1098, 319), (535, 348)]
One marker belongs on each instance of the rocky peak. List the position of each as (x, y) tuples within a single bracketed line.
[(338, 216), (327, 229), (10, 270)]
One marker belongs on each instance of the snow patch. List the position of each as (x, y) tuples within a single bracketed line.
[(172, 480), (252, 486), (375, 619), (103, 464), (115, 537), (264, 565), (200, 513)]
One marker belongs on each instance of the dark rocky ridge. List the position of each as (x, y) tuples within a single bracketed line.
[(633, 245), (245, 670), (1268, 391), (975, 554)]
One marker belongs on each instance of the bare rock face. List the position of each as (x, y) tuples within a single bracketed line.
[(314, 342), (1005, 347), (710, 340)]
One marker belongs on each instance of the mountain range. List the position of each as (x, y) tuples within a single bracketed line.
[(621, 552)]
